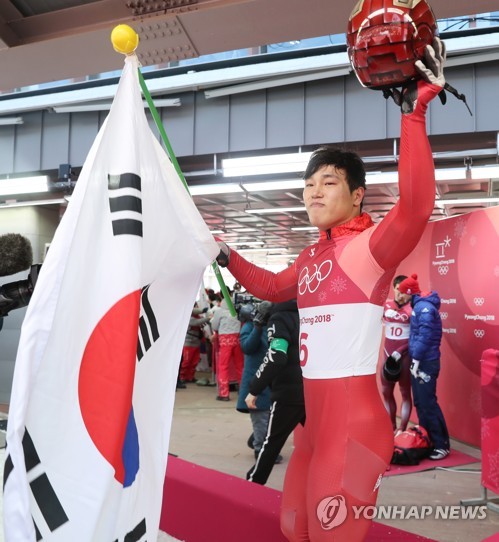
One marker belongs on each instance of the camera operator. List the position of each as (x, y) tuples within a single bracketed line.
[(16, 255)]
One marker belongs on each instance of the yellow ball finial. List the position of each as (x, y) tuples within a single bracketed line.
[(124, 39)]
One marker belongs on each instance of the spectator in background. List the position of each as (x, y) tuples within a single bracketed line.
[(254, 344), (229, 349), (214, 299), (236, 288), (211, 338), (424, 349), (191, 352), (210, 292), (397, 364), (282, 372)]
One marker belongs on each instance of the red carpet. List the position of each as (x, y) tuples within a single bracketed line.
[(204, 505), (454, 459)]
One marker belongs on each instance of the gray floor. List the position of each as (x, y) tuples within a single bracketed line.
[(213, 434)]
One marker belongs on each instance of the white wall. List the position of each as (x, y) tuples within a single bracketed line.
[(210, 280)]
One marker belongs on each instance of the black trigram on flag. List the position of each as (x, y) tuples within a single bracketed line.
[(148, 326), (136, 533), (43, 492), (125, 202)]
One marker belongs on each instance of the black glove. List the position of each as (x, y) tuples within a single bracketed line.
[(262, 313), (223, 255), (392, 368)]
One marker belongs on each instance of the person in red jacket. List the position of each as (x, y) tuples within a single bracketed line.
[(191, 351), (341, 283)]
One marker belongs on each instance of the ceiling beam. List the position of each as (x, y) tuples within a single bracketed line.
[(74, 42)]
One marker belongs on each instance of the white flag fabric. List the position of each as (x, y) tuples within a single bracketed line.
[(94, 383)]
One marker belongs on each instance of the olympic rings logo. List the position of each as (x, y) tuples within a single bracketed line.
[(479, 333), (444, 315), (443, 269), (479, 301), (312, 282), (392, 314)]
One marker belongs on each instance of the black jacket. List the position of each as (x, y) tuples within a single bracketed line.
[(282, 372)]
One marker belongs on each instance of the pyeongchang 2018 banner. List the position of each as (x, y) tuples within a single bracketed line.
[(94, 383), (459, 258)]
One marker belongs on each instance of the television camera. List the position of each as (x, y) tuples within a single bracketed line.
[(16, 295), (251, 309), (16, 255), (245, 305)]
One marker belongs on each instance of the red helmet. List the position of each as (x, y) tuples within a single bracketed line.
[(386, 37)]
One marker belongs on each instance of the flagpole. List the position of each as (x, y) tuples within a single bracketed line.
[(164, 137), (126, 42)]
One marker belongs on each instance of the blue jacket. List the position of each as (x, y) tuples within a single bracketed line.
[(426, 327), (254, 345)]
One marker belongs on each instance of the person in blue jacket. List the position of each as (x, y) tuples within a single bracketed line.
[(425, 336), (254, 344)]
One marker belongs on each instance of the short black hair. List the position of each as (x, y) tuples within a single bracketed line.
[(398, 279), (350, 162)]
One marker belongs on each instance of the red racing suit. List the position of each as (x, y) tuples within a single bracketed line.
[(397, 323), (341, 283)]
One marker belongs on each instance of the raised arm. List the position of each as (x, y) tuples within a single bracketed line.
[(275, 287), (399, 232)]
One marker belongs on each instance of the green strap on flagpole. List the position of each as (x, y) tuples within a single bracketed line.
[(164, 137)]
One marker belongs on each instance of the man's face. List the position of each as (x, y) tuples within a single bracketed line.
[(401, 298), (328, 199)]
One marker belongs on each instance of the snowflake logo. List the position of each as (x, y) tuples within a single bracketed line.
[(473, 241), (460, 228), (322, 296), (338, 285)]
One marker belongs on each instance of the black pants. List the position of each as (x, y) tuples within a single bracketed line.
[(284, 417)]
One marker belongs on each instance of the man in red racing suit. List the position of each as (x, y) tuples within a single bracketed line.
[(341, 283), (396, 317)]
